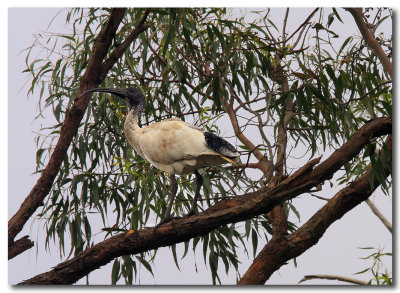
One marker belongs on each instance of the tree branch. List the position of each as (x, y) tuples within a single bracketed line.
[(117, 53), (379, 215), (334, 277), (68, 130), (278, 215), (369, 38), (237, 166), (92, 77), (282, 248), (224, 212), (19, 246), (240, 135)]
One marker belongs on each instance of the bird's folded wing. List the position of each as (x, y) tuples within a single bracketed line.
[(172, 140)]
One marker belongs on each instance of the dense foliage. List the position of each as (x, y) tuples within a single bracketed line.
[(212, 67)]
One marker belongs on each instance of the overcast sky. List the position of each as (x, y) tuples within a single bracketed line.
[(336, 253)]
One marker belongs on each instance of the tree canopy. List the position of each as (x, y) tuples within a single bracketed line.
[(308, 109)]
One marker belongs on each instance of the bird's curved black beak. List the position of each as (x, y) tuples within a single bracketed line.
[(122, 93)]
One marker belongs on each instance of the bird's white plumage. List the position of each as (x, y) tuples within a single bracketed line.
[(172, 145)]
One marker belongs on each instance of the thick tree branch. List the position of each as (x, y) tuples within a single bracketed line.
[(334, 277), (372, 43), (92, 78), (226, 211), (281, 249), (19, 246), (278, 215), (68, 130)]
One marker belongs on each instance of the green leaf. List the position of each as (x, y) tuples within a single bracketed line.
[(254, 241), (293, 208), (367, 247), (39, 154), (205, 246), (115, 272), (337, 14), (173, 248), (213, 261), (247, 226), (348, 39), (220, 37), (319, 26), (330, 72), (186, 249), (169, 37), (217, 93), (145, 263), (330, 19), (363, 271)]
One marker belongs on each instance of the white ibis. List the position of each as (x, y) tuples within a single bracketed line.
[(172, 145)]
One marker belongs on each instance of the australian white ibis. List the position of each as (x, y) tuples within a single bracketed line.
[(172, 145)]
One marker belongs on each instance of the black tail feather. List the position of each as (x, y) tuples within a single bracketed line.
[(220, 145)]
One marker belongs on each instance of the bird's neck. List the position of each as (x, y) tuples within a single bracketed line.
[(132, 130), (131, 121)]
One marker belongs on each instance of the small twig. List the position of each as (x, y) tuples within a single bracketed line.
[(320, 197), (303, 24), (381, 217), (334, 277), (237, 166), (284, 25)]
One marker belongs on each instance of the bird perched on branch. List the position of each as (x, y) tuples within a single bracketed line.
[(172, 145)]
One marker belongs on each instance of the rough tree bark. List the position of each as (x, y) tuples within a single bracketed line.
[(93, 76), (233, 210), (278, 251), (19, 246)]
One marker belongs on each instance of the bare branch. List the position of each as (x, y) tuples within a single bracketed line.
[(320, 197), (303, 24), (334, 277), (240, 135), (381, 217), (284, 25)]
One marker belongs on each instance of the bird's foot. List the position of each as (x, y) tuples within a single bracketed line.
[(164, 220), (192, 212)]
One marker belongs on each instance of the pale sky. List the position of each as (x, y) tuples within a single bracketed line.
[(336, 253)]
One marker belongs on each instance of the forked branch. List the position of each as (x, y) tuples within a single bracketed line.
[(282, 248)]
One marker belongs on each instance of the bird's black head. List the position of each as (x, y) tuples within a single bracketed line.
[(133, 96)]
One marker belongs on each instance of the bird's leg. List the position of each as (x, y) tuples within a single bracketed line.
[(199, 183), (174, 188)]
